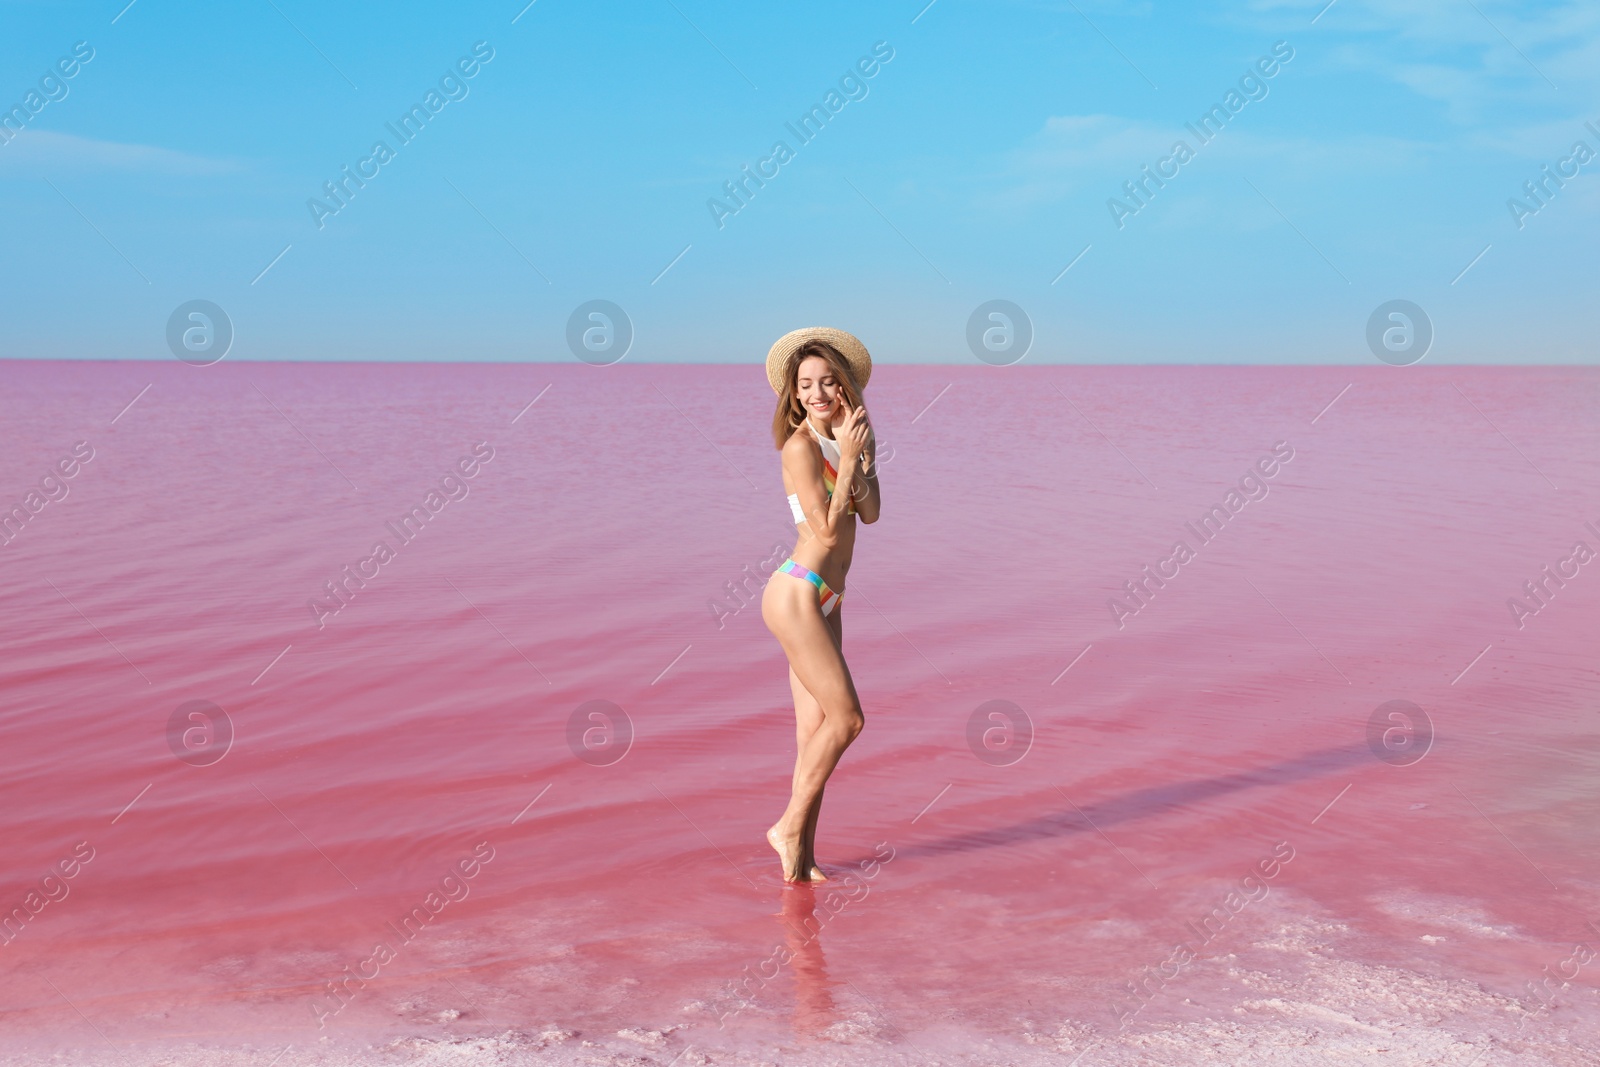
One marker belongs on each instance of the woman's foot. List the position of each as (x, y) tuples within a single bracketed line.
[(815, 874), (788, 848)]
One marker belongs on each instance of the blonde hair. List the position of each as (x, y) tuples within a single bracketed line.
[(790, 413)]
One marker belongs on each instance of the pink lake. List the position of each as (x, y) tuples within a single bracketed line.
[(1195, 835)]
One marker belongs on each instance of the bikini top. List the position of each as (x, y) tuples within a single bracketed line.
[(830, 473)]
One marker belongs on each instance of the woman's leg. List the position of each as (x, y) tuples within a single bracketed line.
[(808, 716), (790, 611)]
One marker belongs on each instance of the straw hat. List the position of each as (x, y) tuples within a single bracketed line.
[(783, 350)]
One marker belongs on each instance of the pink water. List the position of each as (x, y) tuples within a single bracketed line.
[(998, 911)]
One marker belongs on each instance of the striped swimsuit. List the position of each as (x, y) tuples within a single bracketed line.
[(826, 597)]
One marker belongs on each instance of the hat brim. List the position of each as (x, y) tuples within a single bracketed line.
[(849, 346)]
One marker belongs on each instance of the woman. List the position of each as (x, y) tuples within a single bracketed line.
[(821, 428)]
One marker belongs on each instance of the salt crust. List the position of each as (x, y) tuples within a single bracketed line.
[(1296, 1002)]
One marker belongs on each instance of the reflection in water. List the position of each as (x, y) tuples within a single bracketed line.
[(802, 928)]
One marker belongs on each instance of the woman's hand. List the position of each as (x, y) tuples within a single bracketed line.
[(853, 432)]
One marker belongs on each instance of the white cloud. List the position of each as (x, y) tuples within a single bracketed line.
[(39, 149), (1481, 60), (1071, 152), (1097, 153)]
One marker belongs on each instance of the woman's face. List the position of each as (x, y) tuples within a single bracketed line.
[(819, 388)]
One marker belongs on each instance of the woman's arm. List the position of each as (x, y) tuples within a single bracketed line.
[(867, 501), (853, 433), (867, 496), (824, 516)]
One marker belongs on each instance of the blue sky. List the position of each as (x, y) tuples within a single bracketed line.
[(976, 164)]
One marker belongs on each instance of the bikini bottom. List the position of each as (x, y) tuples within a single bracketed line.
[(826, 597)]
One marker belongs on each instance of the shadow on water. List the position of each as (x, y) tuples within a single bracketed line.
[(1145, 802)]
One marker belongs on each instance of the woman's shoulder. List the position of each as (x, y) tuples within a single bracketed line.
[(799, 441), (801, 448)]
